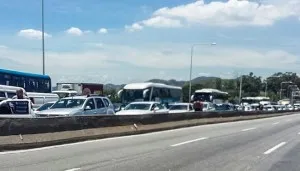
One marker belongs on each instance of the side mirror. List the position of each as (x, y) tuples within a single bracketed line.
[(120, 93), (87, 108), (156, 108), (192, 97), (146, 93)]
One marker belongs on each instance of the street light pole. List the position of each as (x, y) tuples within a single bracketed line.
[(240, 93), (43, 37), (266, 88), (191, 64)]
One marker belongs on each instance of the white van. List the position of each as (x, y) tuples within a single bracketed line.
[(38, 99)]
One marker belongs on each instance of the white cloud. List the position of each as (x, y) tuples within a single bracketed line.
[(229, 14), (209, 57), (3, 47), (108, 60), (74, 31), (103, 31), (204, 74), (159, 21), (134, 27), (33, 34)]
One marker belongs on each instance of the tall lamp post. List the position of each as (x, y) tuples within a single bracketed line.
[(240, 92), (43, 37), (191, 65)]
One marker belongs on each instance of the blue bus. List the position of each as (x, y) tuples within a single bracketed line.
[(30, 82)]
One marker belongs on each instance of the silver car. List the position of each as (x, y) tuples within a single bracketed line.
[(79, 105)]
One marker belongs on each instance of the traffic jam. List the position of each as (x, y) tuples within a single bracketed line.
[(31, 95)]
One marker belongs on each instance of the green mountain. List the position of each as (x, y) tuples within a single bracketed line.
[(198, 80)]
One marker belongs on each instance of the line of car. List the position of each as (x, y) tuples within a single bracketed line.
[(100, 105)]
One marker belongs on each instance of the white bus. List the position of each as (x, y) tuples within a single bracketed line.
[(150, 92), (210, 95), (256, 100)]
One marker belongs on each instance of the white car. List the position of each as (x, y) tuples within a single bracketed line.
[(208, 106), (181, 108), (296, 106), (142, 108), (45, 106), (79, 105), (269, 108)]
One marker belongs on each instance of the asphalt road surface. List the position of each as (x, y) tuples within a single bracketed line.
[(265, 144)]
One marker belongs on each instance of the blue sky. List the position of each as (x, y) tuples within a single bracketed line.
[(133, 40)]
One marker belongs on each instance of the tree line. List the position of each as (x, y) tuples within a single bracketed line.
[(252, 86)]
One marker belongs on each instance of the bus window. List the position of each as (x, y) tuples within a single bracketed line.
[(2, 94), (7, 79), (175, 94), (2, 81)]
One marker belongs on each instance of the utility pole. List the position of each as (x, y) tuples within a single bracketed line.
[(240, 94), (43, 37)]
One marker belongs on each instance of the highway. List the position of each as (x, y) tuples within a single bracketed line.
[(264, 144)]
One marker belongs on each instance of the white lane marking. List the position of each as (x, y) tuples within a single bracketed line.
[(288, 120), (74, 169), (275, 123), (248, 129), (190, 141), (298, 133), (275, 148)]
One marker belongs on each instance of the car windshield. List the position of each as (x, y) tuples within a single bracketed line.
[(45, 106), (223, 107), (205, 105), (178, 107), (138, 106), (68, 103)]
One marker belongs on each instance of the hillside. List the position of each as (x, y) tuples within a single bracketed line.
[(198, 80), (168, 82)]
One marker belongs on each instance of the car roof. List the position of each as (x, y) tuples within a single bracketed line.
[(76, 97), (174, 104), (144, 102), (50, 102), (83, 97)]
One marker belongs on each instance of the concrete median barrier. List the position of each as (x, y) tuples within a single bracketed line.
[(22, 134), (16, 126)]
